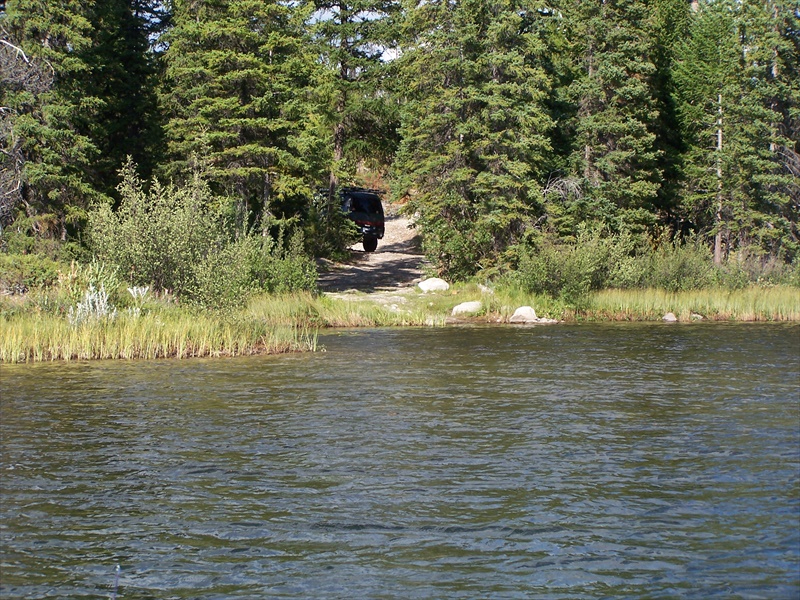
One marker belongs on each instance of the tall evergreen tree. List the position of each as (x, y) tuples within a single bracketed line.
[(616, 152), (236, 73), (739, 100), (122, 78), (44, 122), (669, 25), (351, 38), (475, 127)]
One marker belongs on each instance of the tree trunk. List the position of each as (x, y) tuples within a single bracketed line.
[(718, 216)]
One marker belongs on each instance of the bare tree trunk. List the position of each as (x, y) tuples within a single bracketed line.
[(718, 216)]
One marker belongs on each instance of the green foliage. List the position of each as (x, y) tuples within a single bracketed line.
[(74, 282), (42, 111), (500, 119), (475, 130), (615, 151), (122, 78), (180, 239), (156, 237), (22, 272), (235, 78), (280, 270), (569, 271), (351, 97), (329, 233), (738, 98)]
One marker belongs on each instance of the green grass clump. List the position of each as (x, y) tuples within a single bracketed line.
[(778, 303), (171, 333)]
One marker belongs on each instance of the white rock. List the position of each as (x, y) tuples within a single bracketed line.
[(466, 308), (434, 284), (484, 289), (524, 314), (669, 317)]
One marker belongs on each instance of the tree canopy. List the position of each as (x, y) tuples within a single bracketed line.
[(496, 121)]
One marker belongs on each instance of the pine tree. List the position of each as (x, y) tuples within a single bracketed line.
[(738, 97), (616, 151), (43, 122), (236, 73), (669, 26), (475, 128), (122, 77), (351, 38)]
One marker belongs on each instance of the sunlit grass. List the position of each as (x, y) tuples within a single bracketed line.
[(289, 323), (779, 303), (163, 334)]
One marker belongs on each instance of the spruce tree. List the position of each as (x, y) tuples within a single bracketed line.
[(474, 129), (122, 79), (43, 122), (351, 38), (616, 154), (738, 96), (236, 73)]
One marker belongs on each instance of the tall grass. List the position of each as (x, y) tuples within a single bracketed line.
[(164, 334), (779, 303), (288, 323), (309, 310)]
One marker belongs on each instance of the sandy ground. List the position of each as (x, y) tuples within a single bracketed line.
[(395, 267)]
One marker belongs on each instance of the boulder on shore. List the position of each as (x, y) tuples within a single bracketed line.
[(669, 318), (434, 284), (524, 314), (466, 308)]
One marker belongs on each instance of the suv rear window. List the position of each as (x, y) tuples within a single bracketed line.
[(366, 203)]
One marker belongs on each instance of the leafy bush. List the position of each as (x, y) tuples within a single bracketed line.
[(277, 269), (22, 272), (748, 268), (329, 235), (570, 270), (157, 238), (681, 266), (180, 240), (222, 279)]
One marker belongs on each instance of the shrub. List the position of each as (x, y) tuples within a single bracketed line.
[(157, 238), (180, 240), (22, 272), (329, 235), (276, 269), (570, 270), (94, 306), (681, 266), (221, 278)]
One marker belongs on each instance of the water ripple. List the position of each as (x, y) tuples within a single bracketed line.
[(570, 462)]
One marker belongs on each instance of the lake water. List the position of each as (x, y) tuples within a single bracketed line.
[(588, 461)]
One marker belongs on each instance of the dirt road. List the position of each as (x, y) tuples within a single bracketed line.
[(396, 264)]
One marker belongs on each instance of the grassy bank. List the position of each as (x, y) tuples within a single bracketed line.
[(779, 303), (171, 333), (287, 323)]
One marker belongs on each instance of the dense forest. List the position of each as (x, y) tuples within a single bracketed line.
[(507, 127)]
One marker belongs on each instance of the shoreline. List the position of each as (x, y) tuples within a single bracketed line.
[(291, 323)]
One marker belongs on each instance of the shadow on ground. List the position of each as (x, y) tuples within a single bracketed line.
[(396, 264)]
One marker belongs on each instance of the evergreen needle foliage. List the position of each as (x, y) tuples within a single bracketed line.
[(566, 146)]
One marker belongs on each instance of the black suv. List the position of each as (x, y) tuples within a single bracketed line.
[(364, 208)]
